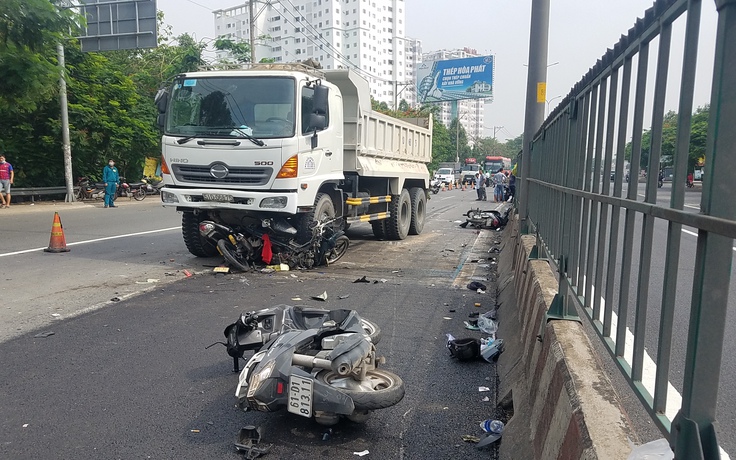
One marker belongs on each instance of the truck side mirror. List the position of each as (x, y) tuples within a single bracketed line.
[(319, 99), (161, 100), (317, 121)]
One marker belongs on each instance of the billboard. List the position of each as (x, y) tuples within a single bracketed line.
[(455, 79), (119, 25)]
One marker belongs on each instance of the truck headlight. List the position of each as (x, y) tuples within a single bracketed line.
[(168, 197), (277, 202)]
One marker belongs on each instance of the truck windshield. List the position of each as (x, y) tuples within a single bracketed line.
[(261, 107)]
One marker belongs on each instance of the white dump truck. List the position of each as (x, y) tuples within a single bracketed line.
[(243, 146)]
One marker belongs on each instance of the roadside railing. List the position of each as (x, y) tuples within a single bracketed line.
[(589, 226), (33, 192)]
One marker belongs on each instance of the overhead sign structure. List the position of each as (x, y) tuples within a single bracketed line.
[(119, 25), (455, 79)]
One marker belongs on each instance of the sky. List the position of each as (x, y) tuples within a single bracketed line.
[(580, 32)]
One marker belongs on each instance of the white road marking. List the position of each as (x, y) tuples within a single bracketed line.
[(695, 234), (96, 240)]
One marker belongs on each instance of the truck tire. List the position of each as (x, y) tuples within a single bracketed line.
[(418, 210), (397, 227), (196, 243), (324, 209), (379, 229)]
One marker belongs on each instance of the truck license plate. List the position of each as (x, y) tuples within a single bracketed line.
[(219, 197), (300, 396)]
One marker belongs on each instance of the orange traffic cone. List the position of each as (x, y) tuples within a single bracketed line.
[(57, 242)]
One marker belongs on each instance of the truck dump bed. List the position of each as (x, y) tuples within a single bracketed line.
[(371, 137)]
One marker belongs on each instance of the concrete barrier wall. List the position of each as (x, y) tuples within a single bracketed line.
[(564, 404)]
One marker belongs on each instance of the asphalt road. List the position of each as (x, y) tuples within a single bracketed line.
[(132, 378)]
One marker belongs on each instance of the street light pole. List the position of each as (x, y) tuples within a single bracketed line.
[(549, 102), (536, 95), (252, 32)]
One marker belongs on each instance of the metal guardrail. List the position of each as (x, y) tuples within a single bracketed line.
[(38, 191), (578, 216)]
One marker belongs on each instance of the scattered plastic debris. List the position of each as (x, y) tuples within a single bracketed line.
[(490, 349), (446, 317), (343, 297), (25, 425), (382, 280), (187, 273), (482, 389), (194, 431), (362, 453), (362, 280), (469, 325), (249, 438), (267, 270), (322, 297), (296, 298), (492, 426), (487, 325), (116, 299), (655, 450), (486, 399), (43, 335), (55, 315), (327, 434)]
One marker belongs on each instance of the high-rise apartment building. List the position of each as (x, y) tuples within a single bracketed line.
[(413, 57), (470, 111), (364, 35)]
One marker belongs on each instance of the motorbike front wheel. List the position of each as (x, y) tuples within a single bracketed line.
[(372, 329), (341, 247), (139, 194), (230, 253), (380, 389)]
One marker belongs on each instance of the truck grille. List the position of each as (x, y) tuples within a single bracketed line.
[(235, 175)]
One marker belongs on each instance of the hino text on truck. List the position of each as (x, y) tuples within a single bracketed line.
[(282, 149)]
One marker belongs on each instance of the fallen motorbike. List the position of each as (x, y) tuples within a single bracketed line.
[(435, 186), (89, 190), (316, 363), (274, 241), (152, 185), (489, 219), (135, 190)]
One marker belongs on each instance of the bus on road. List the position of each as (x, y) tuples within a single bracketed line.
[(493, 164)]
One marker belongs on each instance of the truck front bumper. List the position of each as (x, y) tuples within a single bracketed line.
[(207, 198)]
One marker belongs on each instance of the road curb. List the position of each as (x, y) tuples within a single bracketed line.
[(564, 405)]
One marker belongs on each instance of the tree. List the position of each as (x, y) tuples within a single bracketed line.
[(404, 106), (240, 51), (29, 32)]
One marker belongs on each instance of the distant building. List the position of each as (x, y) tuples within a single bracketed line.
[(366, 36), (470, 111), (413, 54)]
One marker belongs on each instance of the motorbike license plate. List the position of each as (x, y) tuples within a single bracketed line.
[(300, 396), (219, 197)]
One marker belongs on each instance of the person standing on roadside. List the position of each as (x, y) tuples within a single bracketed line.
[(111, 178), (7, 175), (498, 180)]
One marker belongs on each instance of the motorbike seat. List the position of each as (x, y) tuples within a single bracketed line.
[(136, 184), (99, 185)]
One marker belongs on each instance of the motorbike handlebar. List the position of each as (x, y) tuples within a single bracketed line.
[(310, 361)]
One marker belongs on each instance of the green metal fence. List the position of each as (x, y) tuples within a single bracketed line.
[(589, 222)]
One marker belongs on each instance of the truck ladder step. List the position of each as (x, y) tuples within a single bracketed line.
[(369, 217), (368, 200)]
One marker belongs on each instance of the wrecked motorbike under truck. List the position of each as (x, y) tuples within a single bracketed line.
[(270, 149)]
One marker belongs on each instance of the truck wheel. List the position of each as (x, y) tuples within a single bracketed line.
[(379, 229), (418, 210), (397, 227), (196, 243), (323, 210)]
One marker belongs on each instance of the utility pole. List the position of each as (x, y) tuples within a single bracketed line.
[(495, 129), (66, 146), (252, 32), (536, 96)]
